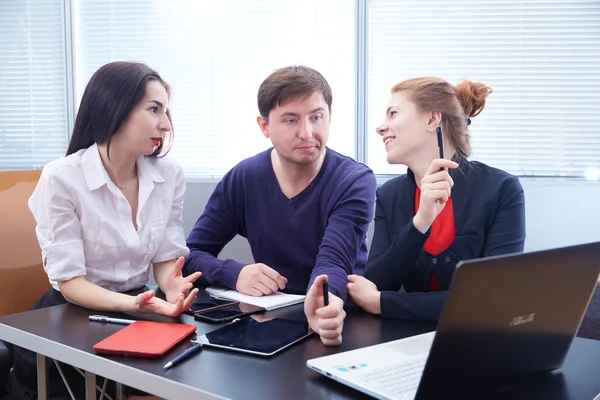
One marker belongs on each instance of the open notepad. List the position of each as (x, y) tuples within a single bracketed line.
[(270, 302)]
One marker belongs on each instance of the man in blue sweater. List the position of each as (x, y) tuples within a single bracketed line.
[(304, 208)]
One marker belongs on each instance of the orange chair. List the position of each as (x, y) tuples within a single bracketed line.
[(23, 280), (22, 277)]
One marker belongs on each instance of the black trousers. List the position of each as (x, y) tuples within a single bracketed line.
[(22, 381)]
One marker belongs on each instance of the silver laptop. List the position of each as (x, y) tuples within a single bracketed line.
[(506, 319)]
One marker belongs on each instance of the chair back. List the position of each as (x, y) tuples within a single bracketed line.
[(22, 277)]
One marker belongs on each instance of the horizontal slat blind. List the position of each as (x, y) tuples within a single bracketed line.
[(215, 54), (33, 106), (541, 57)]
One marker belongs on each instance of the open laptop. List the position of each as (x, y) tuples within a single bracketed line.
[(506, 319)]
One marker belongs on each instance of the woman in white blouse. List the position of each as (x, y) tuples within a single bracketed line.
[(110, 209)]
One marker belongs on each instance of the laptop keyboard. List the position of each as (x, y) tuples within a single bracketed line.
[(397, 378)]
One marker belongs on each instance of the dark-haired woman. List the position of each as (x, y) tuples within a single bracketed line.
[(110, 210)]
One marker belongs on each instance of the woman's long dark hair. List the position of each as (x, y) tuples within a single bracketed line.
[(110, 96)]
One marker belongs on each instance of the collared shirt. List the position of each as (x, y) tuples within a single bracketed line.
[(84, 222)]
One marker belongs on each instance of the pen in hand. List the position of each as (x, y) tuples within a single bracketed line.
[(325, 293), (184, 356), (440, 141)]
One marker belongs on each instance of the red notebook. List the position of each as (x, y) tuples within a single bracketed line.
[(144, 339)]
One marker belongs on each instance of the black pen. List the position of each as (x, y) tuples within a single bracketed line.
[(440, 141), (184, 356), (325, 293)]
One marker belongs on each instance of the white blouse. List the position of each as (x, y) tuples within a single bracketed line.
[(84, 222)]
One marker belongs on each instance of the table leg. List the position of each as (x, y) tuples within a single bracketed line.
[(120, 395), (64, 378), (90, 386), (42, 377)]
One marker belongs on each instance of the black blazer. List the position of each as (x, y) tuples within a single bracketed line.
[(489, 218)]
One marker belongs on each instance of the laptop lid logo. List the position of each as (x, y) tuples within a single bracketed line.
[(522, 319)]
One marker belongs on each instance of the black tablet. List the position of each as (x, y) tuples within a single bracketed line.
[(203, 304), (260, 338), (227, 313)]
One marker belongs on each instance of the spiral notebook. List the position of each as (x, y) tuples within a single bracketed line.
[(270, 302)]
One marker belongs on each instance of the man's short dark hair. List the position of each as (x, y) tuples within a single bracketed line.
[(290, 83)]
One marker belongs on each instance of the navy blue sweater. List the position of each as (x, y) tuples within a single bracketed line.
[(489, 219), (321, 230)]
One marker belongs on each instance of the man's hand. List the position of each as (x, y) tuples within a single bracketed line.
[(259, 280), (327, 322)]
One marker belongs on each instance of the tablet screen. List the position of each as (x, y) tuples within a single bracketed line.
[(264, 338), (203, 303), (228, 313)]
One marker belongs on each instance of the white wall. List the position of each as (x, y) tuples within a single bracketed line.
[(559, 213), (196, 196)]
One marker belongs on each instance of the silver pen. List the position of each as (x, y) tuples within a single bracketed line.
[(104, 318)]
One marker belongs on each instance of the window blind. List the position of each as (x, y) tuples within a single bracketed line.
[(215, 54), (541, 57), (33, 105)]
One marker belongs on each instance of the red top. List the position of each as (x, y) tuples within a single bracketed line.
[(441, 234)]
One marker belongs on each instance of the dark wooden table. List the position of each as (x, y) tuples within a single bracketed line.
[(64, 333)]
